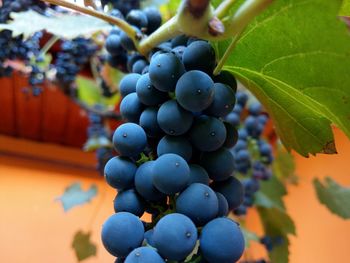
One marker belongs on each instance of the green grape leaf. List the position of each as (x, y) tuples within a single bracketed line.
[(335, 197), (88, 91), (270, 194), (64, 25), (73, 196), (295, 58), (345, 8), (284, 166), (82, 245), (249, 236), (277, 224)]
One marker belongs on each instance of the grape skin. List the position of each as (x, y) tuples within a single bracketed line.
[(120, 172), (175, 236), (121, 233), (129, 201), (221, 241), (144, 255), (175, 144)]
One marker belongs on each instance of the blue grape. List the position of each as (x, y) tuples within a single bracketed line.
[(180, 40), (129, 139), (129, 201), (199, 55), (131, 108), (147, 93), (255, 108), (175, 236), (149, 237), (120, 172), (233, 118), (121, 233), (128, 84), (179, 51), (144, 255), (199, 202), (154, 19), (195, 91), (208, 133), (223, 205), (223, 102), (253, 126), (232, 189), (113, 44), (171, 173), (144, 182), (126, 42), (218, 164), (148, 121), (231, 135), (242, 98), (139, 66), (221, 241), (132, 58), (137, 18), (175, 144), (164, 71), (227, 78), (173, 119), (198, 175)]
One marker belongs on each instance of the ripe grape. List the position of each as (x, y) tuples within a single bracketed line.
[(175, 144), (131, 107), (119, 172), (147, 93), (144, 255), (199, 55), (129, 201), (128, 84)]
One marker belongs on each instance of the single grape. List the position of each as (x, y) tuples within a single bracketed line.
[(129, 201), (147, 93), (129, 139), (232, 189), (198, 174), (175, 236), (131, 108), (144, 183), (221, 241), (121, 233), (137, 18), (199, 55), (173, 119), (199, 202), (223, 102), (149, 237), (170, 173), (154, 19), (231, 135), (223, 205), (132, 58), (218, 164), (113, 44), (255, 108), (120, 172), (139, 66), (175, 144), (128, 83), (207, 133), (180, 40), (227, 78), (164, 71), (144, 255), (195, 91), (148, 121)]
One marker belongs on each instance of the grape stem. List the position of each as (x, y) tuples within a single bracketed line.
[(194, 18), (48, 45)]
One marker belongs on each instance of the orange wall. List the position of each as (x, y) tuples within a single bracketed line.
[(34, 228)]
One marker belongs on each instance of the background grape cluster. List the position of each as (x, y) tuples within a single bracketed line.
[(175, 161)]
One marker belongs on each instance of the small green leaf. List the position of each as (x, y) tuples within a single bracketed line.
[(345, 8), (249, 236), (82, 245), (73, 196), (278, 224), (284, 166), (270, 194), (88, 91), (298, 71), (335, 197), (65, 25)]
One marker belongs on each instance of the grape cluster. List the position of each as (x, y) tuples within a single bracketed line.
[(73, 56), (120, 48), (253, 155), (175, 161), (123, 5)]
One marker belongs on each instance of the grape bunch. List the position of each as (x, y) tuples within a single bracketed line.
[(120, 48), (123, 5), (253, 155), (175, 161), (73, 56)]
